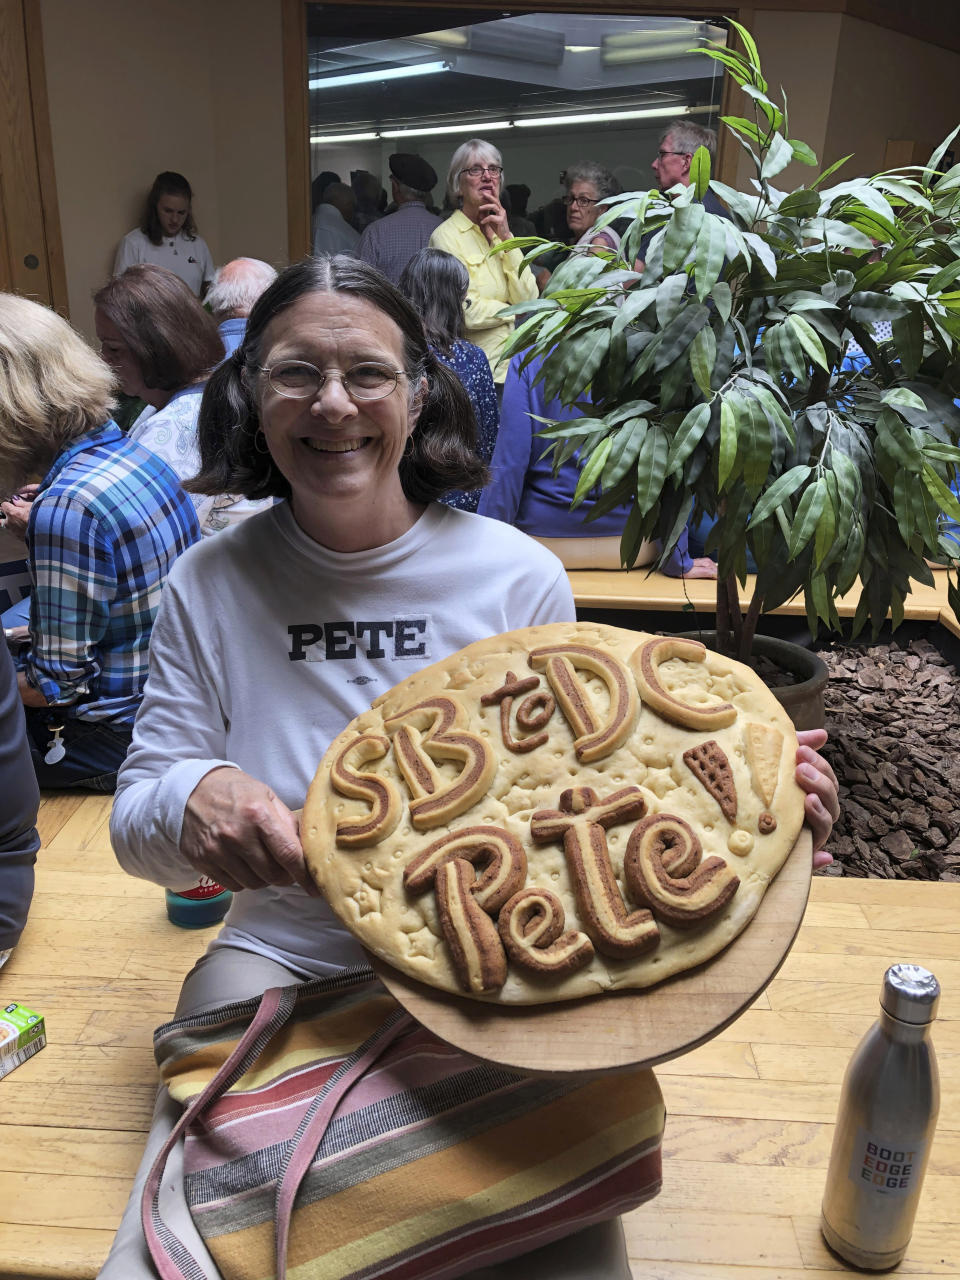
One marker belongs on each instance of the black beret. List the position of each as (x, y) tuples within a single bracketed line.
[(413, 171)]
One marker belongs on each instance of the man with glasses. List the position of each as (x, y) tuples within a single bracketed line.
[(675, 152)]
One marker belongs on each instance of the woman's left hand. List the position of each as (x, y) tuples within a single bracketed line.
[(822, 803)]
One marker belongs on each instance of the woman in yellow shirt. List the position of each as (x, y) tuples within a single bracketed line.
[(475, 180)]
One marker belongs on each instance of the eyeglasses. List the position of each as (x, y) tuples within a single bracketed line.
[(661, 153), (478, 170), (298, 380), (582, 201)]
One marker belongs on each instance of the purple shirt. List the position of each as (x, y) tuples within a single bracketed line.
[(389, 243)]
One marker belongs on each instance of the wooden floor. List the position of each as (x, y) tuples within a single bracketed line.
[(750, 1114)]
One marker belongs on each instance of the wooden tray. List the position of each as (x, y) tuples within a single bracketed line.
[(630, 1028)]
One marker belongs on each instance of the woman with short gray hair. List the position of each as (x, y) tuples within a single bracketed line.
[(474, 182), (587, 183)]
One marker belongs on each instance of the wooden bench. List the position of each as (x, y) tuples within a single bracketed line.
[(750, 1115), (640, 590)]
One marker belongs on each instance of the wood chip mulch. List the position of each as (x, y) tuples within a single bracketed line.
[(893, 715)]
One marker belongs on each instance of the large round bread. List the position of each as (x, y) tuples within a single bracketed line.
[(636, 792)]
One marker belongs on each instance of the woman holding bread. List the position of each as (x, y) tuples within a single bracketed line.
[(274, 635)]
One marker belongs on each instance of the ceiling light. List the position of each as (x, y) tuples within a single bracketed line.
[(478, 126), (343, 137), (389, 73), (598, 117)]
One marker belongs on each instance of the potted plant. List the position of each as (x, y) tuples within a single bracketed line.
[(743, 374)]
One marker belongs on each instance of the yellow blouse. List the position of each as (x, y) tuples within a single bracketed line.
[(495, 282)]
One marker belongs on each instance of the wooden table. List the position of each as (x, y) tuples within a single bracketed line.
[(750, 1114), (638, 589)]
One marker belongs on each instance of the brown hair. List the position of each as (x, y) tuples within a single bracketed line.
[(53, 388), (441, 458), (173, 339)]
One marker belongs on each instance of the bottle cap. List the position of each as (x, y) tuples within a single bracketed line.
[(910, 993)]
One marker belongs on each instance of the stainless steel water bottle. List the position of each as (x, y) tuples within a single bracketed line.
[(885, 1123)]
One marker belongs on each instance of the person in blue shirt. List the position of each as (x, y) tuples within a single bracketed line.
[(105, 525), (436, 283), (523, 491)]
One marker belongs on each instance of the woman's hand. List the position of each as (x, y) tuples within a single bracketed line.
[(16, 512), (238, 832), (493, 220), (822, 803)]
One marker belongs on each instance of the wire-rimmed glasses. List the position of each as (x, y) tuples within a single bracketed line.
[(478, 170), (298, 380)]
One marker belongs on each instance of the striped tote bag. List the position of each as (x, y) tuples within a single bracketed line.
[(328, 1136)]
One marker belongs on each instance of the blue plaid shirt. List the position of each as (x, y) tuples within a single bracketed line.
[(108, 521)]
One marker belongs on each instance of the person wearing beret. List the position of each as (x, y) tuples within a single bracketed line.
[(389, 243)]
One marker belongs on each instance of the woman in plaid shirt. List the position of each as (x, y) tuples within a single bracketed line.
[(106, 523)]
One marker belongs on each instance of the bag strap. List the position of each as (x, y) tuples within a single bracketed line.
[(172, 1258), (302, 1147)]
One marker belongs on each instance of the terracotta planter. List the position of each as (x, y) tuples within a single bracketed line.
[(803, 701)]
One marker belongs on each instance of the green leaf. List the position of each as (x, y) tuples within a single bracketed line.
[(825, 531), (710, 253), (591, 472), (777, 158), (849, 484), (703, 356), (700, 172), (898, 441), (945, 276), (747, 127), (651, 468), (903, 398), (728, 440), (809, 339), (933, 163), (624, 451), (750, 45), (670, 295), (908, 340), (722, 296), (688, 436), (635, 302), (681, 235), (680, 332), (941, 493), (782, 489), (809, 511), (803, 203), (801, 152), (828, 173)]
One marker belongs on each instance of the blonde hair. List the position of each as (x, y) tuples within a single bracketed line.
[(475, 151), (53, 387)]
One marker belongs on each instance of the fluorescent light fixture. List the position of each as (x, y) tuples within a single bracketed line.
[(389, 73), (343, 137), (512, 39), (581, 48), (478, 127), (598, 117)]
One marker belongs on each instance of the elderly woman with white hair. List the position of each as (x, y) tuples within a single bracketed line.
[(474, 182)]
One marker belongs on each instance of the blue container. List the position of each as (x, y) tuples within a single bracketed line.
[(199, 907)]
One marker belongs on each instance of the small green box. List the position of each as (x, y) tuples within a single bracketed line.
[(22, 1034)]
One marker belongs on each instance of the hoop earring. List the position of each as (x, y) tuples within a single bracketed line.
[(259, 437), (408, 447)]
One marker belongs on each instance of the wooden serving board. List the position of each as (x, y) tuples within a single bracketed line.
[(629, 1028)]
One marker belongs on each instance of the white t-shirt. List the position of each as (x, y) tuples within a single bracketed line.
[(186, 258), (267, 644)]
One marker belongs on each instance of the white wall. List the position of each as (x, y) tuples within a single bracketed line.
[(135, 89)]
